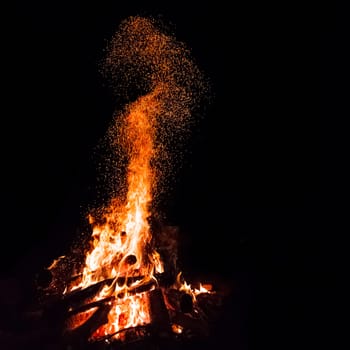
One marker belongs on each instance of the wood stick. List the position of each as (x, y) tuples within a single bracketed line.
[(81, 334), (196, 325), (159, 313)]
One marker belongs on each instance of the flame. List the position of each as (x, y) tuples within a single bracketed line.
[(182, 285), (120, 245), (126, 231), (176, 328), (121, 239)]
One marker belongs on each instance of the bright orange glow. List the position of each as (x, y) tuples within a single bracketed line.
[(176, 328), (121, 238), (120, 245), (185, 287), (126, 230)]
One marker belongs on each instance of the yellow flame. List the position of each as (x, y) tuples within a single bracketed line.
[(182, 285), (126, 232), (121, 239), (56, 262)]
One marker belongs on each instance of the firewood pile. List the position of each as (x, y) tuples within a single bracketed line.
[(74, 319), (176, 319)]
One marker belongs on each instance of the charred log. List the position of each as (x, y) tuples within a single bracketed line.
[(81, 334), (160, 320), (178, 300), (195, 327), (186, 303), (138, 289), (80, 296), (86, 307), (163, 279)]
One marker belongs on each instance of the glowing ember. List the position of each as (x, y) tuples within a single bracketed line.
[(140, 54)]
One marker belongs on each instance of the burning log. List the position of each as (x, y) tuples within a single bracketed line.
[(138, 289), (81, 296), (179, 300), (210, 304), (130, 338), (86, 307), (175, 315), (81, 334), (162, 279)]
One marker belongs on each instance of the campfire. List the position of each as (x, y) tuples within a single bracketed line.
[(128, 291)]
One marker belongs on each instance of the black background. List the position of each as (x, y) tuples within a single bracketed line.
[(253, 200)]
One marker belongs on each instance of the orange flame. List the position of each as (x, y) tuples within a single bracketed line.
[(126, 231), (121, 243)]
